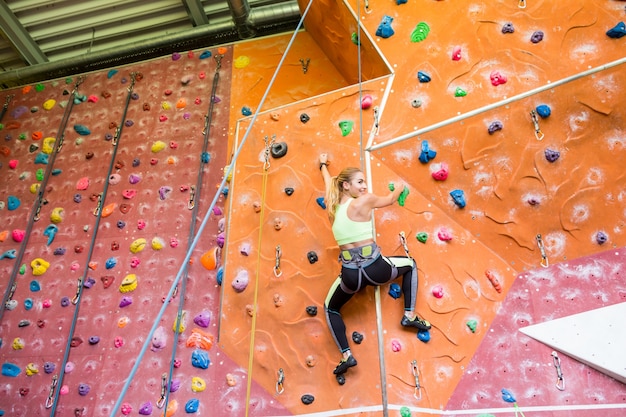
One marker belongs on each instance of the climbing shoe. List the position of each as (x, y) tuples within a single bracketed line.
[(344, 365), (416, 322)]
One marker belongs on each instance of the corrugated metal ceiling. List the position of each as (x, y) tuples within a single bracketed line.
[(39, 33)]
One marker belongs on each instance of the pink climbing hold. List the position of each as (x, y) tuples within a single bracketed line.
[(497, 78), (456, 53), (173, 242), (141, 224), (118, 342), (129, 193), (92, 99), (126, 409), (444, 234), (440, 172), (18, 235), (366, 102), (438, 291), (134, 262), (396, 346), (162, 118), (13, 163), (82, 184)]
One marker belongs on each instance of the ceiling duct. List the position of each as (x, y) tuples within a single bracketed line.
[(259, 21)]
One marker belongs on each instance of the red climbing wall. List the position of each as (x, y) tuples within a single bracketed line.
[(260, 327)]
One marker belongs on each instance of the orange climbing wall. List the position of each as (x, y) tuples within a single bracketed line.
[(512, 192)]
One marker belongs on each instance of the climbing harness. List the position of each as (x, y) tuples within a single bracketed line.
[(53, 386), (6, 105), (521, 4), (560, 381), (305, 64), (280, 382), (535, 119), (416, 374), (277, 271), (98, 213), (544, 257)]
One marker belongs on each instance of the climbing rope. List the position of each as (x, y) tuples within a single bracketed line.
[(92, 244), (205, 220), (196, 190)]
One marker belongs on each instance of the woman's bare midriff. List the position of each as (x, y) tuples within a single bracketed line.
[(356, 244)]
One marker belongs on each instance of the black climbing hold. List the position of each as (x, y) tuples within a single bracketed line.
[(340, 379), (289, 190), (601, 238), (312, 257), (32, 148), (311, 310), (23, 323), (357, 337), (536, 37), (494, 127), (552, 155), (279, 149), (307, 399), (508, 28), (304, 118), (66, 93)]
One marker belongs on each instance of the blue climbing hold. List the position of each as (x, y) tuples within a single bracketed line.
[(10, 254), (459, 197), (13, 202), (320, 202), (543, 111), (384, 29), (41, 158), (35, 286), (206, 157), (82, 130), (192, 405), (508, 396), (205, 55), (423, 335), (110, 263), (427, 154), (51, 232), (395, 290), (423, 77), (617, 31), (28, 304), (246, 111), (56, 171), (10, 369), (220, 275), (111, 73), (399, 2), (200, 359)]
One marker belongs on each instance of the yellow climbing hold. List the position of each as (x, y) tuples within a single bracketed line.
[(158, 146), (18, 343), (157, 243), (34, 188), (241, 62), (179, 325), (138, 245), (49, 104), (31, 369), (129, 283), (166, 106), (39, 266), (198, 384), (48, 145), (57, 215)]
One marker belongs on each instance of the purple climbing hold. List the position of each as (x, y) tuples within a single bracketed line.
[(136, 162), (77, 198), (174, 385), (18, 111), (164, 192), (203, 319), (536, 37), (145, 409), (384, 29), (601, 238), (59, 251), (129, 123), (175, 56), (94, 340), (89, 282), (552, 155), (83, 389), (134, 178), (508, 28), (108, 137), (65, 301), (126, 301), (134, 96), (49, 367), (617, 31), (494, 127)]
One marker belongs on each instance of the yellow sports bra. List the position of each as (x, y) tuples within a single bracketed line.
[(346, 230)]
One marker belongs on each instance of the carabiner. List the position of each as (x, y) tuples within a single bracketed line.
[(521, 4), (544, 257), (376, 119), (161, 402), (53, 385), (404, 244), (538, 133), (279, 383), (560, 381), (78, 288), (192, 197), (418, 389), (279, 253)]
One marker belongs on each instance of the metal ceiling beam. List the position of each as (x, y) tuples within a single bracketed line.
[(17, 35), (196, 12)]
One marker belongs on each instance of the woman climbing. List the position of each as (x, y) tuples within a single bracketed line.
[(350, 209)]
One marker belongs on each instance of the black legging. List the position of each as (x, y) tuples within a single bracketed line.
[(381, 271)]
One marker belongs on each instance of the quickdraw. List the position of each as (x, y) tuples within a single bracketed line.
[(560, 381), (78, 291), (280, 388), (268, 146), (521, 4), (96, 211), (10, 294), (53, 386), (416, 374), (305, 64), (161, 402), (544, 257), (404, 244), (538, 133), (376, 119), (192, 197), (277, 270)]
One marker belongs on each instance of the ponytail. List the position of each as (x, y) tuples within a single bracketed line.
[(336, 188)]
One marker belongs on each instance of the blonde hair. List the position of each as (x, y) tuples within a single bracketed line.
[(336, 188)]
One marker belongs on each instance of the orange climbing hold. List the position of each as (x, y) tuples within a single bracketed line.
[(3, 235), (12, 125), (199, 339), (222, 50), (108, 209), (37, 135), (491, 276), (209, 258), (171, 409)]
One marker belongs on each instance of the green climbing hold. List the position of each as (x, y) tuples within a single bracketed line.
[(39, 87), (355, 39), (22, 269), (68, 80), (420, 32), (1, 126), (472, 325), (422, 237), (22, 136), (402, 198), (39, 174), (459, 92), (346, 127), (405, 412)]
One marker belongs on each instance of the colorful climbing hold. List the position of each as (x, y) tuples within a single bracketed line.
[(129, 283), (39, 266), (192, 405), (494, 127), (497, 78), (423, 77), (420, 32), (459, 92), (458, 196), (471, 324), (138, 245), (617, 31), (384, 29), (82, 130), (51, 232), (241, 62), (346, 127), (49, 104), (57, 214), (422, 237), (543, 110), (456, 53), (601, 238), (395, 290), (240, 283), (437, 291), (158, 146), (552, 155), (440, 171), (426, 153), (444, 234), (508, 28), (13, 202), (536, 37)]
